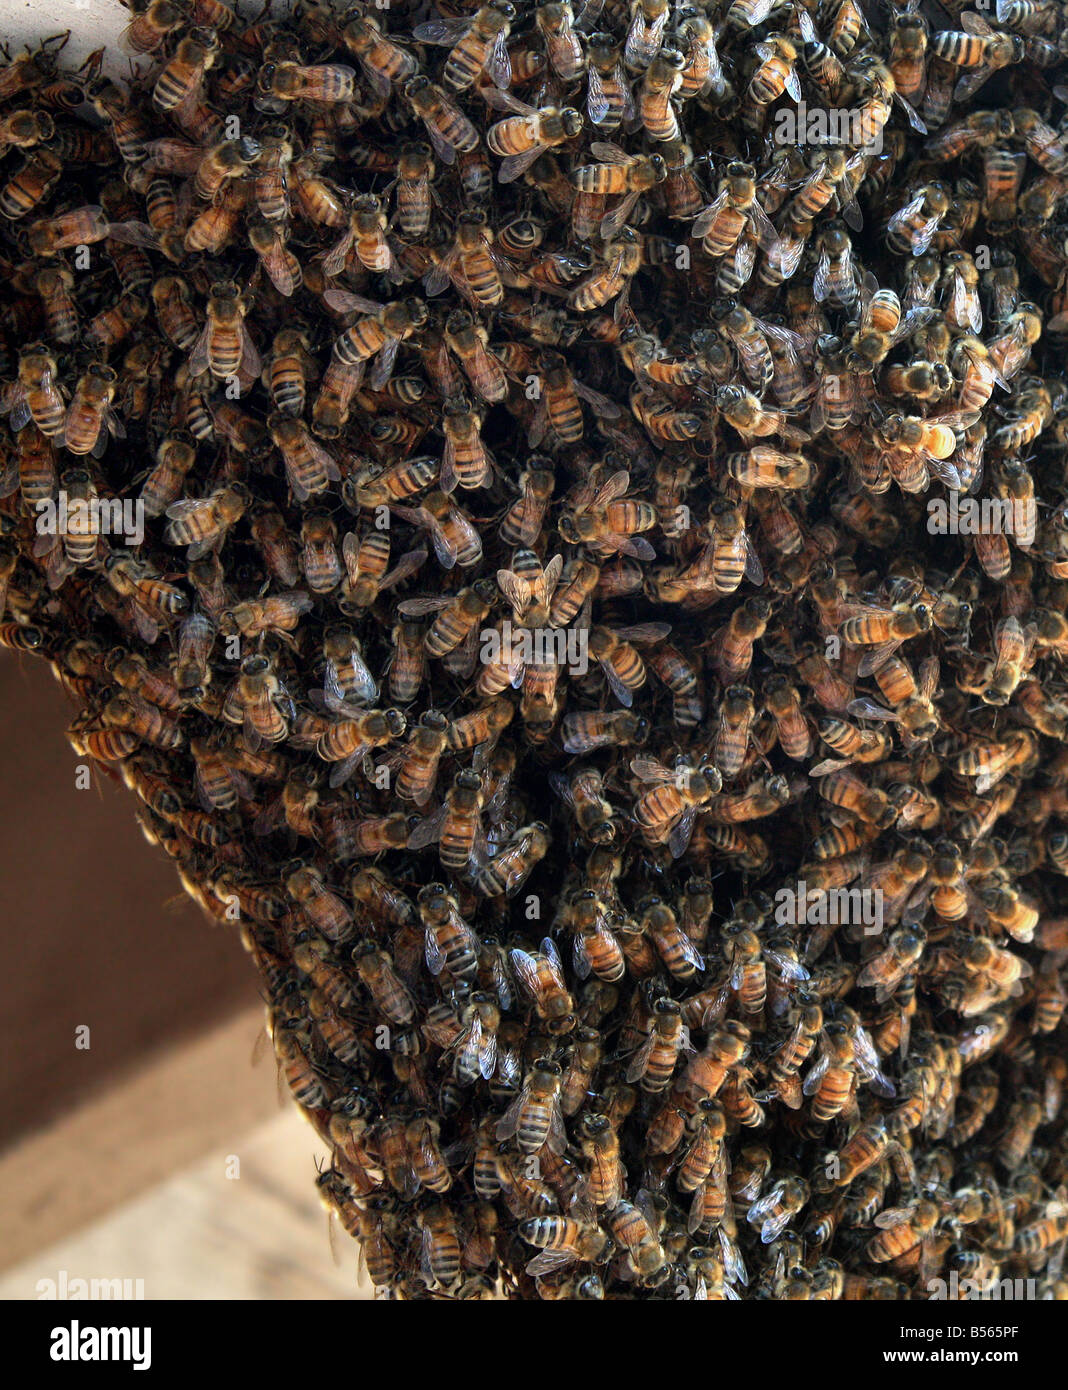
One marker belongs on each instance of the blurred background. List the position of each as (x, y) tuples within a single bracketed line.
[(160, 1152)]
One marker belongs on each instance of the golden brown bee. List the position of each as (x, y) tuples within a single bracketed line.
[(534, 1117), (622, 257), (36, 395), (477, 43), (469, 341), (89, 418), (328, 83), (541, 975), (450, 131), (281, 265), (607, 92), (54, 286), (180, 79), (201, 523), (562, 1240), (376, 971)]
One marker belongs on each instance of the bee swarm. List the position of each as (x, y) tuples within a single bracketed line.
[(517, 495)]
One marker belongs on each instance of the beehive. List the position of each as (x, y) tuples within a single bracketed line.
[(559, 519)]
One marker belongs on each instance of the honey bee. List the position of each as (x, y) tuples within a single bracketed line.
[(542, 977), (328, 83), (648, 24), (469, 341), (450, 131), (607, 93), (440, 1249), (224, 348), (201, 523), (666, 813), (511, 867), (562, 1241), (90, 419), (662, 79), (36, 394), (621, 259), (477, 43), (454, 537), (534, 1117), (181, 78), (259, 701)]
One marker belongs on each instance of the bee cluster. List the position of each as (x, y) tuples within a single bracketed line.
[(538, 635)]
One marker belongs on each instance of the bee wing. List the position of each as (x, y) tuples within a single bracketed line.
[(788, 968), (754, 570), (333, 262), (552, 955), (428, 830), (891, 1217), (383, 367), (505, 101), (765, 1205), (912, 115), (817, 1071), (609, 153), (649, 770), (821, 279), (499, 64), (546, 586), (717, 1008), (597, 103), (678, 843), (966, 306), (469, 536), (637, 546), (605, 408), (705, 219), (549, 1261), (406, 566), (618, 689), (562, 787), (426, 1250), (442, 31), (198, 358), (644, 632), (525, 969), (877, 657), (696, 1213), (133, 234), (557, 1136), (251, 362), (437, 278), (513, 165), (342, 302), (420, 607), (509, 1121), (868, 1064), (612, 221), (868, 709)]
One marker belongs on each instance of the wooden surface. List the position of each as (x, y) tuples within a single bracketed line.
[(195, 1098), (206, 1235), (95, 928)]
